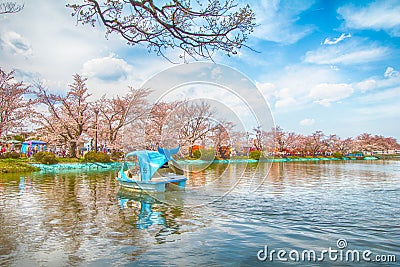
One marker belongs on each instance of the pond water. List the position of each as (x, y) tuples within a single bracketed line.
[(228, 214)]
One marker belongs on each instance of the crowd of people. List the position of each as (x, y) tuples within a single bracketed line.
[(7, 147)]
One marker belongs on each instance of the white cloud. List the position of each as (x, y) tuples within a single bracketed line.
[(59, 47), (367, 85), (107, 69), (333, 67), (307, 122), (285, 102), (268, 90), (324, 93), (286, 98), (299, 78), (382, 96), (288, 89), (216, 73), (386, 110), (277, 20), (346, 54), (381, 104), (15, 43), (390, 79), (333, 41), (379, 15), (391, 73)]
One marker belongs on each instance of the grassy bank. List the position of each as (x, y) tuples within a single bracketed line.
[(22, 165), (387, 156), (16, 165)]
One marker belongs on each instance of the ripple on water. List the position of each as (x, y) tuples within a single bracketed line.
[(79, 219)]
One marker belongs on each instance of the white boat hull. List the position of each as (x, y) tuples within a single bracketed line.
[(161, 184)]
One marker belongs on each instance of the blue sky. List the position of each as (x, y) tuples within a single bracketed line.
[(321, 65)]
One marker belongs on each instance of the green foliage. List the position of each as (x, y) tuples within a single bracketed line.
[(337, 155), (205, 154), (208, 154), (70, 160), (38, 156), (196, 154), (239, 157), (117, 155), (12, 155), (19, 138), (45, 158), (15, 166), (255, 154), (94, 156)]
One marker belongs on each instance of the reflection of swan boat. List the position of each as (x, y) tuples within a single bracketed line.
[(150, 171), (143, 204)]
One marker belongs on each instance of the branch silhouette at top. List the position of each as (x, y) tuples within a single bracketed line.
[(197, 28)]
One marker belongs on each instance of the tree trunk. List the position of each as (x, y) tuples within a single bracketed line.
[(72, 149), (191, 150)]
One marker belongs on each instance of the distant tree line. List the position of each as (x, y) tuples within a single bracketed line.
[(279, 142), (131, 122)]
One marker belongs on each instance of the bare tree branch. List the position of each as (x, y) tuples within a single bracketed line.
[(197, 29), (10, 7)]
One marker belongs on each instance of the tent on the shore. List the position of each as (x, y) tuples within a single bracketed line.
[(32, 144)]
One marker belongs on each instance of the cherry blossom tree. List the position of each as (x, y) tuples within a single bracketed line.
[(259, 138), (300, 145), (391, 143), (281, 141), (384, 144), (160, 115), (117, 112), (196, 123), (187, 123), (220, 135), (14, 107), (316, 142), (337, 144), (239, 141), (291, 141), (364, 142), (68, 115)]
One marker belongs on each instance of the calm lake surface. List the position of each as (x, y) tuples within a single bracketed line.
[(228, 213)]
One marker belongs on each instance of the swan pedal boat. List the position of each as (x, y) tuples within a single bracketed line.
[(151, 171)]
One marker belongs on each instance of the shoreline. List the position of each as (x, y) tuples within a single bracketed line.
[(13, 166), (283, 160), (77, 166)]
